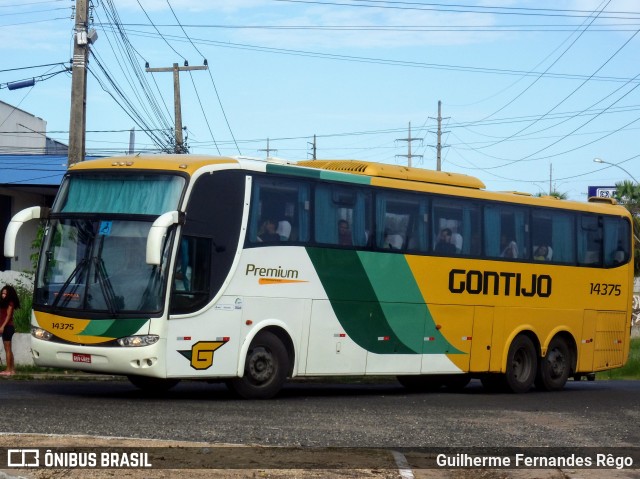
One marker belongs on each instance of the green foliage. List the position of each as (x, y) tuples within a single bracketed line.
[(35, 246), (555, 194), (22, 316), (628, 195)]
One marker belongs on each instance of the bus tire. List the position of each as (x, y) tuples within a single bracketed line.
[(152, 385), (421, 383), (265, 368), (555, 368), (522, 365)]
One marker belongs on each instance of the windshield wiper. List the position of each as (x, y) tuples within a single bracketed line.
[(61, 292), (106, 286)]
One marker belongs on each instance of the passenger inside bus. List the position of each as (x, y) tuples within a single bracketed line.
[(344, 233), (267, 233), (541, 253), (444, 245), (510, 250)]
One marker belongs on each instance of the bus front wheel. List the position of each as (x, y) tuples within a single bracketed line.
[(522, 365), (265, 369), (555, 367)]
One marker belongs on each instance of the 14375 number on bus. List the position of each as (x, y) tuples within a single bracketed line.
[(606, 289)]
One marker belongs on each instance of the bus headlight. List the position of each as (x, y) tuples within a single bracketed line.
[(40, 333), (137, 341)]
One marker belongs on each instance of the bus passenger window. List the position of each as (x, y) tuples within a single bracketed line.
[(553, 236), (342, 215), (456, 223), (616, 241), (279, 211), (506, 232), (590, 240)]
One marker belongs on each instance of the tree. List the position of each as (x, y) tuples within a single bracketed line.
[(555, 194), (628, 195)]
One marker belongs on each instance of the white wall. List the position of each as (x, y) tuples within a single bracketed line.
[(21, 132)]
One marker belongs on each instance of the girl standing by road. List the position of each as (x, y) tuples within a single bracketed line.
[(9, 302)]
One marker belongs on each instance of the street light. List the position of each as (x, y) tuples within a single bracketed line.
[(600, 160)]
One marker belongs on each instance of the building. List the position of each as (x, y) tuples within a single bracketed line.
[(22, 133), (26, 180), (31, 169)]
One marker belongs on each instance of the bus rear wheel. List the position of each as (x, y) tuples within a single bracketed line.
[(265, 369), (152, 385), (555, 367), (522, 365)]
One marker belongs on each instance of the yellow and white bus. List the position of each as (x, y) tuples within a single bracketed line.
[(163, 268)]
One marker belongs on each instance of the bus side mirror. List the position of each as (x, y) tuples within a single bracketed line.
[(156, 236), (20, 218)]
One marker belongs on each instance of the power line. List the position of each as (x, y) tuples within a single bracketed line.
[(383, 61), (453, 8)]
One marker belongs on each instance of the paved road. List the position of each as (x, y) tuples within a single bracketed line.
[(601, 413)]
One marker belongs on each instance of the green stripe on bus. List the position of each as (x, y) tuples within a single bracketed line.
[(115, 328), (318, 174), (354, 301), (378, 302), (402, 302)]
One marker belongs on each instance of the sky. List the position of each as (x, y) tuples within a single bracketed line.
[(531, 91)]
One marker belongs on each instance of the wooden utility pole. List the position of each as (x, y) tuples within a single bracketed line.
[(179, 146), (409, 140), (78, 115)]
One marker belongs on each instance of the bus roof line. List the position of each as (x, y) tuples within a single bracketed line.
[(396, 172)]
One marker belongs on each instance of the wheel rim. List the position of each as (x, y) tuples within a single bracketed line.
[(557, 363), (521, 365), (261, 365)]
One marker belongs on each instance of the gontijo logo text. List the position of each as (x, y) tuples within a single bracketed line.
[(499, 283), (273, 275)]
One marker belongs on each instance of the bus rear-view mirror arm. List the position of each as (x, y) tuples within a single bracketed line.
[(28, 214), (156, 236)]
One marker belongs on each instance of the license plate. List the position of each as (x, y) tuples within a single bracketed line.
[(81, 358)]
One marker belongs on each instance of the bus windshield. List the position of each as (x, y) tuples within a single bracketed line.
[(93, 256), (98, 266)]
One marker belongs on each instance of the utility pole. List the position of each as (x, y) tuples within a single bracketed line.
[(78, 114), (179, 146), (267, 149), (409, 140), (313, 148), (439, 140), (132, 140)]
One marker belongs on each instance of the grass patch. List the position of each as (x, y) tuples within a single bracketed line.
[(631, 370)]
